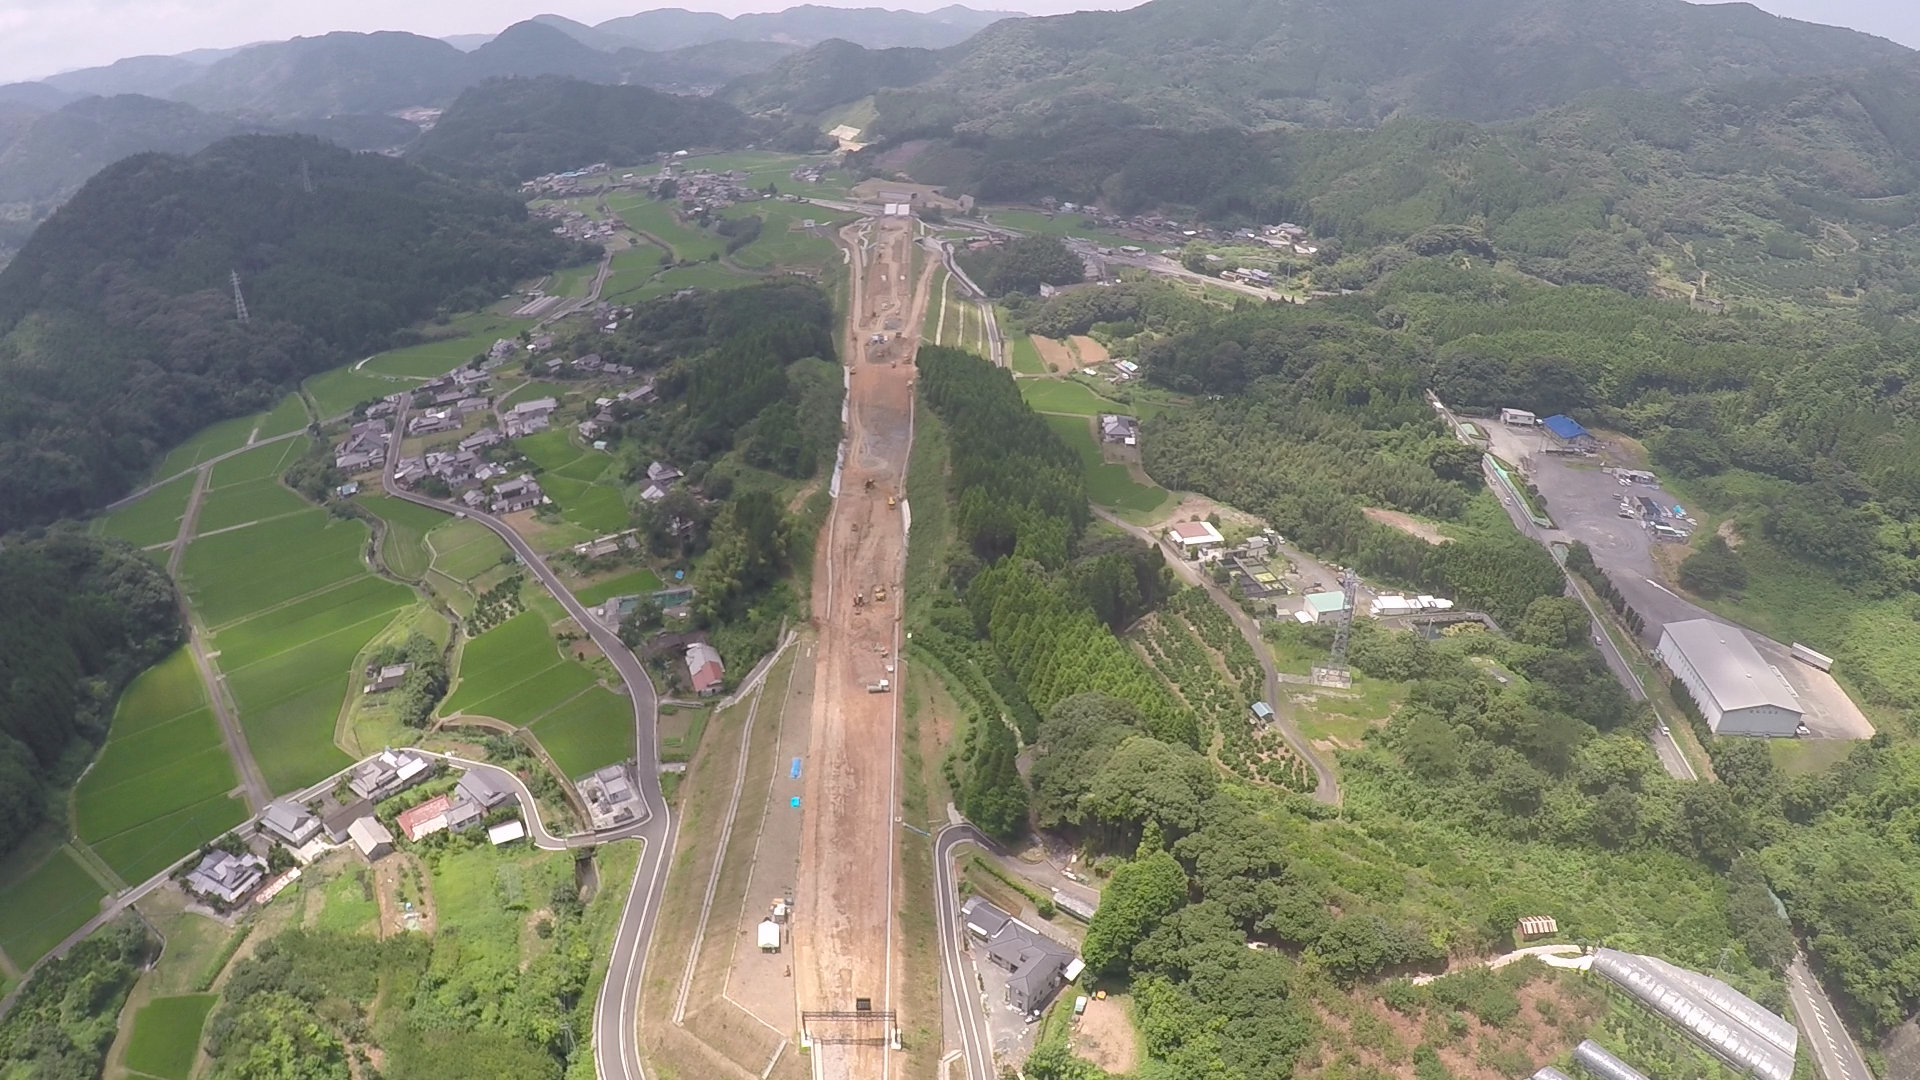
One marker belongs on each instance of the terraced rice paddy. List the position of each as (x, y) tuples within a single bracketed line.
[(235, 574), (464, 549), (289, 415), (166, 1035), (247, 503), (578, 481), (1110, 485), (154, 519), (588, 732), (210, 442), (290, 667), (1068, 396), (404, 546), (41, 909), (336, 392), (515, 674), (159, 787), (436, 358), (656, 218)]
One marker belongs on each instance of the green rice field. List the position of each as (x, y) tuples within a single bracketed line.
[(656, 218), (515, 673), (289, 415), (1068, 396), (638, 582), (159, 787), (464, 549), (570, 475), (166, 1035), (477, 333), (1031, 221), (782, 241), (404, 547), (630, 271), (1110, 485), (290, 669), (153, 519), (252, 501), (266, 463), (588, 732), (234, 574), (210, 442), (38, 911), (336, 392), (1025, 358)]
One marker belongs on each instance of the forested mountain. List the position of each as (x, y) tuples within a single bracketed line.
[(83, 617), (335, 73), (45, 157), (1256, 63), (512, 129), (807, 24), (118, 322), (153, 76)]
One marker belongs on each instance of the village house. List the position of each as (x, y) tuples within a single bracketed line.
[(424, 820), (337, 823), (227, 877), (1036, 965), (370, 838), (292, 824), (364, 446), (388, 773), (704, 669), (1124, 430), (387, 678)]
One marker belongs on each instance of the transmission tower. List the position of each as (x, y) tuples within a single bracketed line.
[(1334, 672), (239, 301), (306, 177)]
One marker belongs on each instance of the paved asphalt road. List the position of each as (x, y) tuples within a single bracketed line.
[(1833, 1048), (616, 1015), (976, 1040)]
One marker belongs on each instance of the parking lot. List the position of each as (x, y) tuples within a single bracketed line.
[(1583, 498)]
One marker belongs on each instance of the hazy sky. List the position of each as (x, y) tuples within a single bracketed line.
[(41, 37)]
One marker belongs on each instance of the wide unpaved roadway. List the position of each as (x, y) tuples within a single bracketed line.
[(844, 902)]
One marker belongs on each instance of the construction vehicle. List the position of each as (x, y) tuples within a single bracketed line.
[(892, 501), (881, 687), (879, 594), (869, 483), (859, 599)]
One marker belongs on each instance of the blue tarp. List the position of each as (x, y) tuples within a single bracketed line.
[(1564, 427), (795, 773)]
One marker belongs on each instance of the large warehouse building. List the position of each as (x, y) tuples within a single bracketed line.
[(1739, 693)]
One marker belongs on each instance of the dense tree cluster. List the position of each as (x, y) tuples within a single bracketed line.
[(120, 336), (68, 1013), (1023, 265), (84, 615), (425, 683)]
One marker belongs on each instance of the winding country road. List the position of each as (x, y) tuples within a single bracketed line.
[(976, 1040), (616, 1014), (1326, 788)]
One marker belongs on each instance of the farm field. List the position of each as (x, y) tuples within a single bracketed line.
[(42, 908), (210, 442), (570, 475), (940, 285), (1024, 357), (166, 1035), (656, 218), (783, 242), (573, 280), (700, 275), (1068, 396), (289, 415), (515, 673), (476, 334), (464, 549), (1032, 221), (638, 582), (404, 547), (154, 519), (290, 674), (266, 463), (235, 574), (244, 503), (589, 731), (159, 787), (630, 270), (336, 392), (1110, 485)]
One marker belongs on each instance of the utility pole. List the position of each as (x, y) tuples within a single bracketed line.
[(239, 301)]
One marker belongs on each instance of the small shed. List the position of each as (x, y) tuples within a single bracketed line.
[(1262, 712), (1533, 926), (1518, 417), (769, 936), (371, 837), (506, 832)]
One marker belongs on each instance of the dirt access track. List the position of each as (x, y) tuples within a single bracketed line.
[(844, 925)]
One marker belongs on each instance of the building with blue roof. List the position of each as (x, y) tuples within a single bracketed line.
[(1566, 429)]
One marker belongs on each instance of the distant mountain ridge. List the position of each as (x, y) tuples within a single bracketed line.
[(1334, 63)]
